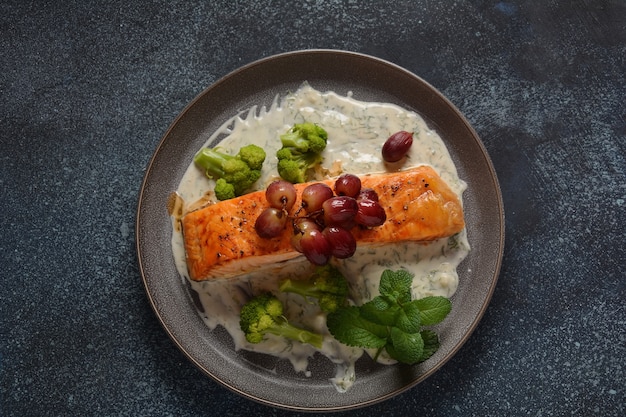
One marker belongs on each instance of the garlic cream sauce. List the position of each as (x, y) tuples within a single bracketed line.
[(357, 131)]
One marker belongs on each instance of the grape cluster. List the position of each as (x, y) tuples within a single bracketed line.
[(322, 224)]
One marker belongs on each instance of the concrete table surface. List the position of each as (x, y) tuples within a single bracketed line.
[(89, 88)]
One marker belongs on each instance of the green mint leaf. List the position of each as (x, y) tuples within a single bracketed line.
[(380, 303), (347, 326), (392, 321), (433, 309), (408, 318), (431, 344), (380, 312), (396, 286), (405, 347)]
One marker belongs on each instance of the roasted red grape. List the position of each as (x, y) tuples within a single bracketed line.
[(316, 247), (281, 194), (342, 242), (301, 226), (370, 213), (340, 211), (314, 195), (270, 223), (367, 194), (397, 146), (348, 184)]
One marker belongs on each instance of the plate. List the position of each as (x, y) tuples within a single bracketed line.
[(261, 377)]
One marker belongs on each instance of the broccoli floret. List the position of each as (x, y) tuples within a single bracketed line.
[(252, 155), (264, 314), (224, 190), (234, 175), (301, 150), (305, 137), (293, 167), (327, 285)]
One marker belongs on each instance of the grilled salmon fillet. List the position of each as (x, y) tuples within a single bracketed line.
[(220, 240)]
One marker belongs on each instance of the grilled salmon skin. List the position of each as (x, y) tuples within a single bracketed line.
[(220, 240)]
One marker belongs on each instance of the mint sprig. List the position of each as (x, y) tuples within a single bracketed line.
[(392, 321)]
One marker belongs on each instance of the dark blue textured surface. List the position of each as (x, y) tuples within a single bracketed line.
[(88, 89)]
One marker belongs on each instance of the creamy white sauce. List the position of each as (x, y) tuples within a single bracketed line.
[(356, 133)]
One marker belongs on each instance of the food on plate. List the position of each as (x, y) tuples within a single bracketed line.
[(301, 151), (397, 146), (281, 194), (348, 185), (221, 241), (392, 321), (263, 314), (224, 270), (327, 285), (234, 174)]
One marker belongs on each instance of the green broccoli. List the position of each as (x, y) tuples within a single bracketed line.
[(305, 137), (327, 285), (234, 175), (224, 190), (301, 150), (264, 314)]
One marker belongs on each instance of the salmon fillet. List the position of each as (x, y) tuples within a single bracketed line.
[(220, 240)]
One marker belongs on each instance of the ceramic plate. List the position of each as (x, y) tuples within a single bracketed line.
[(263, 378)]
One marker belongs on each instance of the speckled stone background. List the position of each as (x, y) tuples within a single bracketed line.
[(89, 87)]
